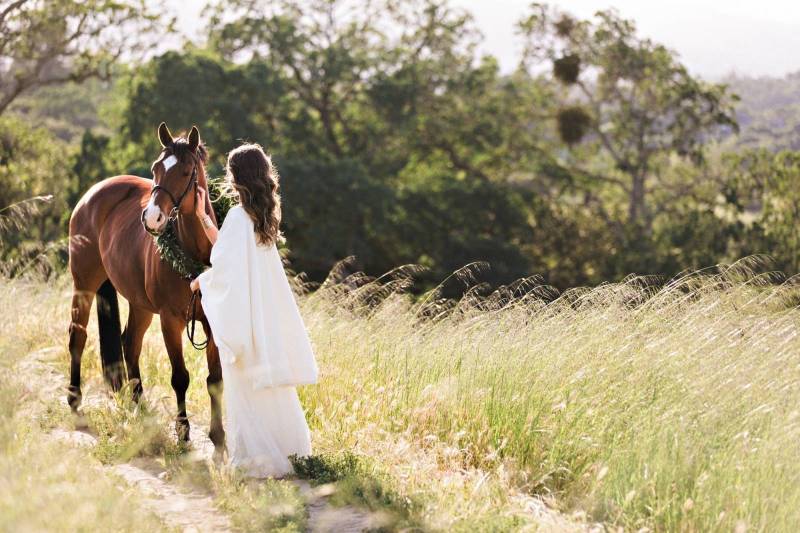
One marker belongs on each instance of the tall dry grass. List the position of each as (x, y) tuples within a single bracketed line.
[(47, 485), (670, 407)]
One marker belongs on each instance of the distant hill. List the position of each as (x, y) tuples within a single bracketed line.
[(769, 111)]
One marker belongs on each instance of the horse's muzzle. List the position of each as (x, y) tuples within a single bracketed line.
[(160, 219)]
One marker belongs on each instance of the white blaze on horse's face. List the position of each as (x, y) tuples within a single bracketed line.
[(153, 217), (169, 163)]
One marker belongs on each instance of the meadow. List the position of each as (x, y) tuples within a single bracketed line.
[(667, 406)]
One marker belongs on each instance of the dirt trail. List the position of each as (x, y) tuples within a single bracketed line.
[(193, 510), (177, 506)]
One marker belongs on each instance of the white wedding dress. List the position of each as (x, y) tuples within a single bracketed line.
[(264, 349)]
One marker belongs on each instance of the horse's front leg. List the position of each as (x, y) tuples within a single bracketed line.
[(138, 322), (172, 329), (214, 382)]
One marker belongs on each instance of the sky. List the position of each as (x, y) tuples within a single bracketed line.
[(713, 37)]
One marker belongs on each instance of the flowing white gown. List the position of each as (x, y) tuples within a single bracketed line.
[(264, 349)]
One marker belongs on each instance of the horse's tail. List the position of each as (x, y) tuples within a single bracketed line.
[(110, 335)]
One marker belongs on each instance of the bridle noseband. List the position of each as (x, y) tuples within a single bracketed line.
[(176, 203)]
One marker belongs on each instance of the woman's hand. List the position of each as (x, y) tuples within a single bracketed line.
[(200, 202), (195, 284)]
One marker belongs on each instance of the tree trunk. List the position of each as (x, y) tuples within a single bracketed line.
[(636, 207)]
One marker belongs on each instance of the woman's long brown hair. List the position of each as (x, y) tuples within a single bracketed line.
[(255, 181)]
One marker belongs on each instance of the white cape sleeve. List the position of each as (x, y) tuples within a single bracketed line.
[(224, 288), (252, 311), (284, 355)]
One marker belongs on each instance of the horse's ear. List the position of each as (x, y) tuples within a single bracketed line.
[(164, 136), (194, 138)]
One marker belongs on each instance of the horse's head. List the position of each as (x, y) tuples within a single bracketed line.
[(175, 175)]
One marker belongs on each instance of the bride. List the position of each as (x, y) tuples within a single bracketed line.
[(263, 344)]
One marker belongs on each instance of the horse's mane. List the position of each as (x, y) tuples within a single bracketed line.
[(180, 149)]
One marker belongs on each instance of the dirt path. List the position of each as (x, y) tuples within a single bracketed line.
[(194, 510), (177, 506)]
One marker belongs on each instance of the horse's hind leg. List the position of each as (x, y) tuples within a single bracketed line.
[(81, 307), (87, 276), (138, 322), (172, 329)]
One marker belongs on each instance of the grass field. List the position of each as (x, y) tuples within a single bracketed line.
[(668, 408)]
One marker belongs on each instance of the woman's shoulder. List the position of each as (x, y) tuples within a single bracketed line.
[(235, 221), (236, 212)]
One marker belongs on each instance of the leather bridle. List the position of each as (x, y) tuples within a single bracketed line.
[(176, 203)]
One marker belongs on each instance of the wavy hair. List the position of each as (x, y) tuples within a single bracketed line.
[(254, 180)]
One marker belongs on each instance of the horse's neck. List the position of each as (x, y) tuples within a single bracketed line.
[(190, 230), (192, 237)]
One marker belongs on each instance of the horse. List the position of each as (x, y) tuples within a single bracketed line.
[(112, 250)]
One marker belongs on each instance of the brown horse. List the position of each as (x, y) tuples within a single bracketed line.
[(111, 249)]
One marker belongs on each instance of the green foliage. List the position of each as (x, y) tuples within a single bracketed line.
[(56, 41), (31, 167), (397, 143), (225, 101), (352, 122), (643, 101), (761, 190), (169, 247), (567, 68), (221, 200), (89, 165), (170, 250), (358, 481)]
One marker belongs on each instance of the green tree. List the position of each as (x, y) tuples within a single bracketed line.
[(32, 165), (372, 98), (194, 87), (629, 106), (761, 191), (46, 42), (88, 166)]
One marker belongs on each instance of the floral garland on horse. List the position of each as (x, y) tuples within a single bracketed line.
[(169, 248)]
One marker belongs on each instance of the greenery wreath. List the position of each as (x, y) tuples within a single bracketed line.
[(169, 247)]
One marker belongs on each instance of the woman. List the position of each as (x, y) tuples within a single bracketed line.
[(264, 347)]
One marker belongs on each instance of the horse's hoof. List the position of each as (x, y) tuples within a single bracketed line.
[(116, 383), (219, 455), (81, 422), (74, 398), (136, 393), (182, 429)]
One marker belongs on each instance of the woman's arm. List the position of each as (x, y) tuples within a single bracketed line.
[(200, 211), (206, 221)]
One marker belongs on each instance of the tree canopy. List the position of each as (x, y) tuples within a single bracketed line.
[(398, 142)]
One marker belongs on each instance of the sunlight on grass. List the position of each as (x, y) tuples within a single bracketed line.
[(674, 408), (48, 485), (637, 405)]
